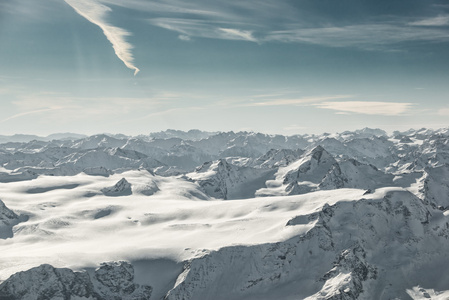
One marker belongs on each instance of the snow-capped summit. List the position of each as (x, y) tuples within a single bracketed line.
[(332, 145), (121, 188), (115, 159), (350, 173), (302, 176), (97, 141), (435, 187), (363, 133), (305, 174), (222, 180), (277, 158)]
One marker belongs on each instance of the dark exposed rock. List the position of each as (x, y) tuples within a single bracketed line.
[(112, 281)]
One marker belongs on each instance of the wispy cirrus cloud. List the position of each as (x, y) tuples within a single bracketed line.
[(261, 22), (442, 20), (67, 107), (96, 13), (367, 36), (169, 7), (368, 107), (267, 21), (296, 101), (33, 112), (204, 29), (236, 34), (376, 36)]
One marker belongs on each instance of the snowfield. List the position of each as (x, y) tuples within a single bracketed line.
[(357, 221)]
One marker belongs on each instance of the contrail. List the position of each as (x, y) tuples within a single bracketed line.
[(95, 13)]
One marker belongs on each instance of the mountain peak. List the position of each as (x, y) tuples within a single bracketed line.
[(121, 188)]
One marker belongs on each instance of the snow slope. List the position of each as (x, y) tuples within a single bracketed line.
[(117, 217), (223, 180), (351, 244)]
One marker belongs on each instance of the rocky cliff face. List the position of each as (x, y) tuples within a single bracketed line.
[(111, 281), (435, 186), (8, 219)]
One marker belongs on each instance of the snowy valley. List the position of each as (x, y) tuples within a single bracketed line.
[(225, 215)]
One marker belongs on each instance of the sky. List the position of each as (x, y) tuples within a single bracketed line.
[(273, 66)]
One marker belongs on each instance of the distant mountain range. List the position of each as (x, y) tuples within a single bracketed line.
[(225, 215)]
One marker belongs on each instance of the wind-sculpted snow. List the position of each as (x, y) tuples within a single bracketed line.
[(352, 215)]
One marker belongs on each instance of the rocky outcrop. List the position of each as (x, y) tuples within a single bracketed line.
[(111, 281), (121, 188), (8, 219), (435, 186)]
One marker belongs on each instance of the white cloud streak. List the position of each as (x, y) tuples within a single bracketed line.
[(34, 112), (236, 34), (296, 101), (96, 13), (167, 7), (435, 21), (183, 37), (203, 28), (375, 36), (368, 108), (230, 22), (365, 36)]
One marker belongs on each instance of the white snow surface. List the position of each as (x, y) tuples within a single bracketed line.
[(71, 224), (358, 215)]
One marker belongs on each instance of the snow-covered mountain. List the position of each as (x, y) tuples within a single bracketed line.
[(114, 280), (330, 260), (222, 180), (8, 219), (350, 173), (353, 215), (277, 158), (302, 176), (435, 186)]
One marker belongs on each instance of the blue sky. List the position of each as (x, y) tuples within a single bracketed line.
[(137, 66)]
